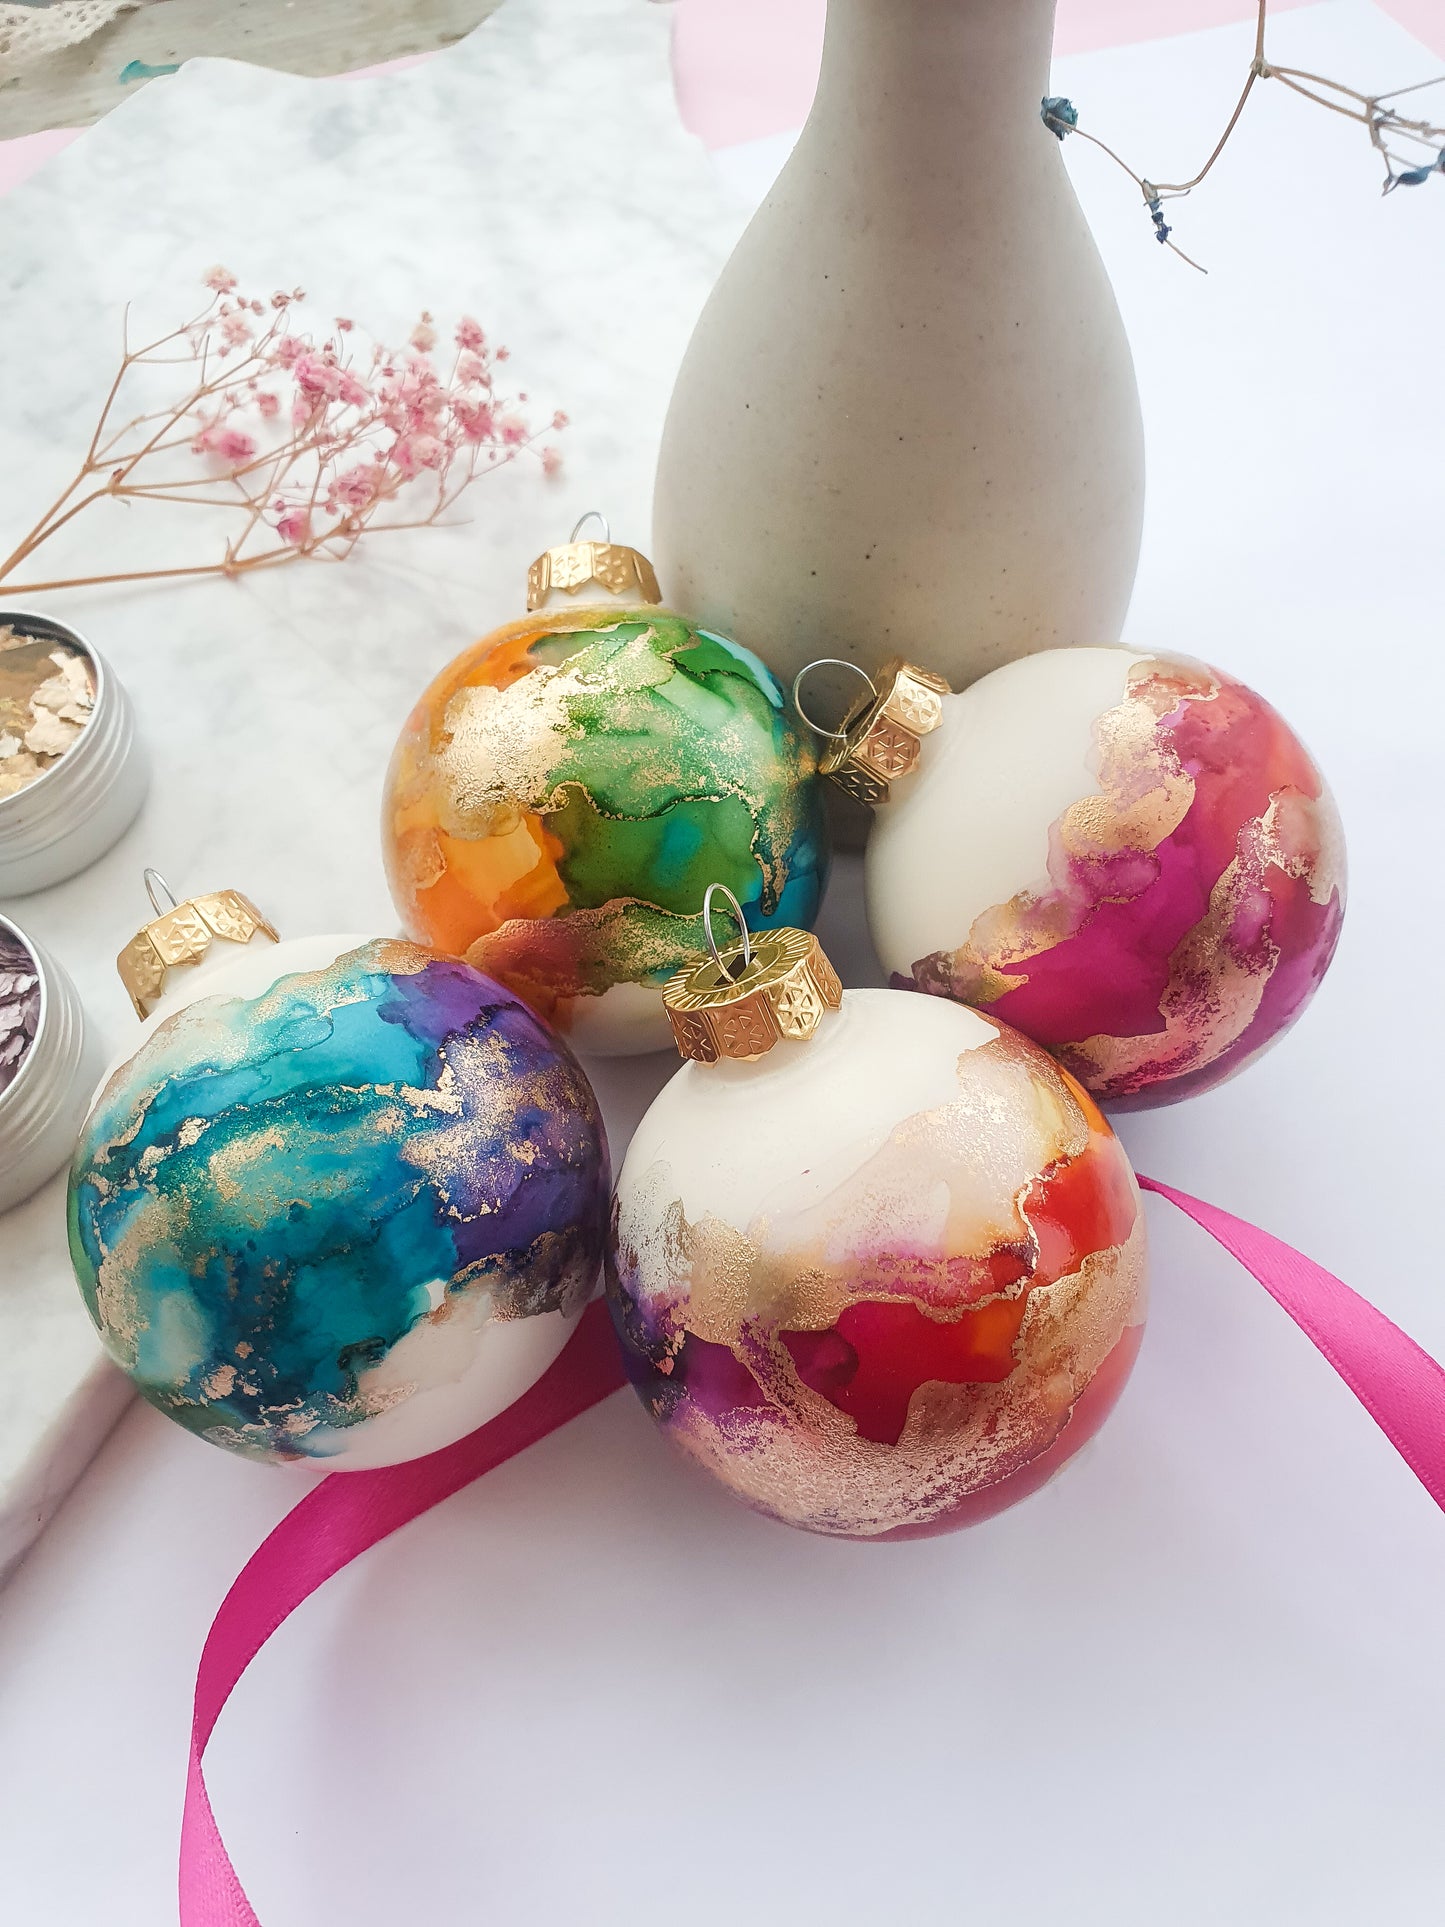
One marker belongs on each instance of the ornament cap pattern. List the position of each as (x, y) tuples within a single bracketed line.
[(751, 997), (183, 936), (577, 565), (881, 742)]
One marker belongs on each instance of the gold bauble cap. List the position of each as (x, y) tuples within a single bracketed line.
[(182, 935), (576, 565), (879, 741), (741, 1000)]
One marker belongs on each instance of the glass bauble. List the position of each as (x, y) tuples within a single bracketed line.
[(1127, 855), (885, 1282), (565, 791), (340, 1208)]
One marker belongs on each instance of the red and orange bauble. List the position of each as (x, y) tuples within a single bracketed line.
[(878, 1262)]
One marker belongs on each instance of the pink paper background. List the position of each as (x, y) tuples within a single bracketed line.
[(747, 68)]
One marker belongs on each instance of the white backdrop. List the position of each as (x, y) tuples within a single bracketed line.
[(1198, 1679)]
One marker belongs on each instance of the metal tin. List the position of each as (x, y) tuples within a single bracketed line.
[(86, 800), (42, 1109)]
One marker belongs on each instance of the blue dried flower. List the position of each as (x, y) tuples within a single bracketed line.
[(1417, 176)]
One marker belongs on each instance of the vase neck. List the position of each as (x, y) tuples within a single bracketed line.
[(975, 65)]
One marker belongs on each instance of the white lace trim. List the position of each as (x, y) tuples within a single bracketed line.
[(28, 32)]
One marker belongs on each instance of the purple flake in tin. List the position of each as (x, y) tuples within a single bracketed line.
[(19, 1006)]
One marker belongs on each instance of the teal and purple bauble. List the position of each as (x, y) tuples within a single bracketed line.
[(345, 1216)]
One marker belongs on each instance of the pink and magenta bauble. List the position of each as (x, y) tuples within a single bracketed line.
[(1128, 856)]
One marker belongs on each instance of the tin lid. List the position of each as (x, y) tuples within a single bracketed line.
[(741, 1000), (182, 935)]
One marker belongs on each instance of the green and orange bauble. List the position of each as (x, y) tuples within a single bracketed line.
[(566, 789)]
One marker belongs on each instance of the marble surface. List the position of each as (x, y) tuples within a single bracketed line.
[(1196, 1680), (535, 175)]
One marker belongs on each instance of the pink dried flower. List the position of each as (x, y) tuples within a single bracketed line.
[(474, 418), (347, 427), (316, 377), (294, 525), (355, 488), (234, 445), (412, 453), (561, 421), (504, 354)]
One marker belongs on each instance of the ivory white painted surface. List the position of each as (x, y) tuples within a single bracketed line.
[(970, 828), (229, 970), (908, 421), (765, 1142)]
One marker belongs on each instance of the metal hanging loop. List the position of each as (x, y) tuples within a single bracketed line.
[(827, 662), (592, 515), (721, 890), (156, 888)]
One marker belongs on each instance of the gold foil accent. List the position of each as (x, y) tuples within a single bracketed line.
[(881, 743), (1017, 1115), (575, 565), (724, 1007), (183, 936), (1143, 797), (803, 1461), (1213, 995)]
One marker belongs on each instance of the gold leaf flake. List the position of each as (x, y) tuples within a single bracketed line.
[(49, 736)]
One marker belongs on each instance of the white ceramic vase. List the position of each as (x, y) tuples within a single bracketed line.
[(908, 420)]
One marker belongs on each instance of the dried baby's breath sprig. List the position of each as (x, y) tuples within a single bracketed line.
[(311, 442), (1411, 151)]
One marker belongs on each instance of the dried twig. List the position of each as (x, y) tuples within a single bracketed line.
[(310, 443), (1388, 130)]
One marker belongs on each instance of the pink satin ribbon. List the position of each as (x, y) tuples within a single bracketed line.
[(341, 1519), (1399, 1384)]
